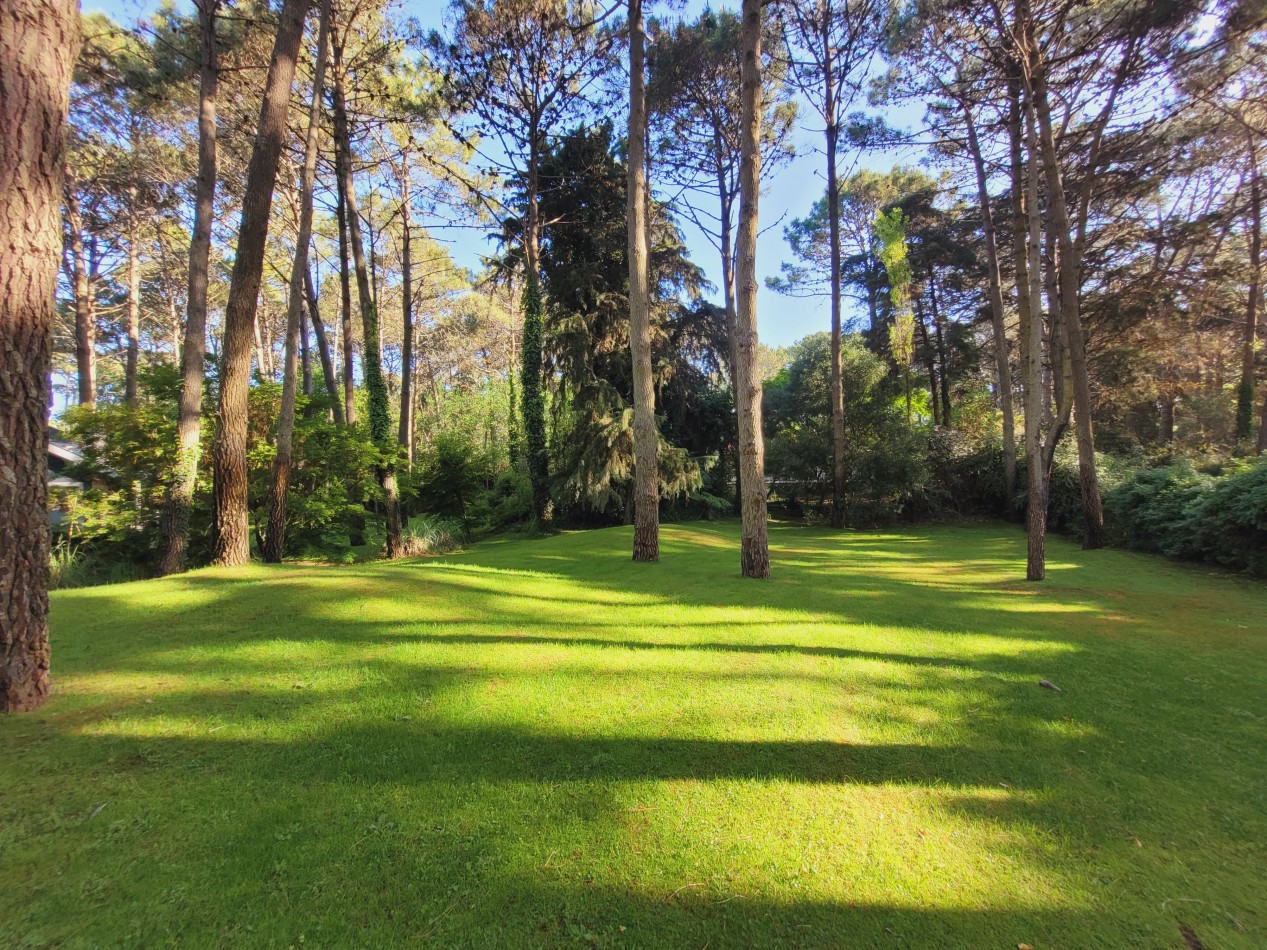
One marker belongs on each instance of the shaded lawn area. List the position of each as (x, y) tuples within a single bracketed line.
[(540, 743)]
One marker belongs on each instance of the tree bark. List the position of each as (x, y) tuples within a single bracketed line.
[(371, 365), (274, 547), (755, 550), (134, 305), (532, 396), (305, 355), (405, 433), (345, 294), (1031, 347), (180, 494), (1002, 359), (833, 229), (646, 538), (85, 299), (232, 540), (323, 349), (38, 43), (1071, 317)]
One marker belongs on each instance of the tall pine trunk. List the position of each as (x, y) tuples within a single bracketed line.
[(833, 229), (38, 43), (232, 538), (646, 539), (345, 297), (533, 393), (134, 305), (755, 550), (275, 536), (1071, 318), (84, 297), (1002, 360), (1031, 348), (405, 431), (180, 493), (371, 364)]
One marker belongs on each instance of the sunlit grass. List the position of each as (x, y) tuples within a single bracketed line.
[(542, 743)]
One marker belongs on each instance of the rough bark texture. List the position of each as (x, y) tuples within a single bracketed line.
[(371, 362), (275, 537), (38, 43), (1031, 347), (180, 496), (755, 551), (232, 540), (646, 539)]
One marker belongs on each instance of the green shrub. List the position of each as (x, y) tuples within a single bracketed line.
[(1147, 511), (1176, 510)]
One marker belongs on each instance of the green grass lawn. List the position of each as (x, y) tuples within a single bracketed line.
[(540, 743)]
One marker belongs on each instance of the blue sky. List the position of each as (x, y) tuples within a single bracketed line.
[(781, 320)]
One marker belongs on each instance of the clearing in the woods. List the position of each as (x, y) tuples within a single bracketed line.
[(542, 743)]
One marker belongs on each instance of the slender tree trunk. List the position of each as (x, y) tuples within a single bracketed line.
[(405, 433), (930, 363), (274, 547), (1002, 359), (345, 292), (38, 43), (134, 305), (1071, 318), (833, 228), (305, 355), (85, 302), (1031, 348), (532, 393), (232, 541), (180, 494), (375, 387), (726, 200), (940, 338), (646, 539), (323, 349), (755, 553), (1245, 391)]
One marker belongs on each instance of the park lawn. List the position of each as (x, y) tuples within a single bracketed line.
[(540, 743)]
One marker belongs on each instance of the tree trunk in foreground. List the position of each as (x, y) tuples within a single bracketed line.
[(232, 540), (180, 494), (755, 550), (646, 539), (1031, 347), (275, 536), (38, 43)]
